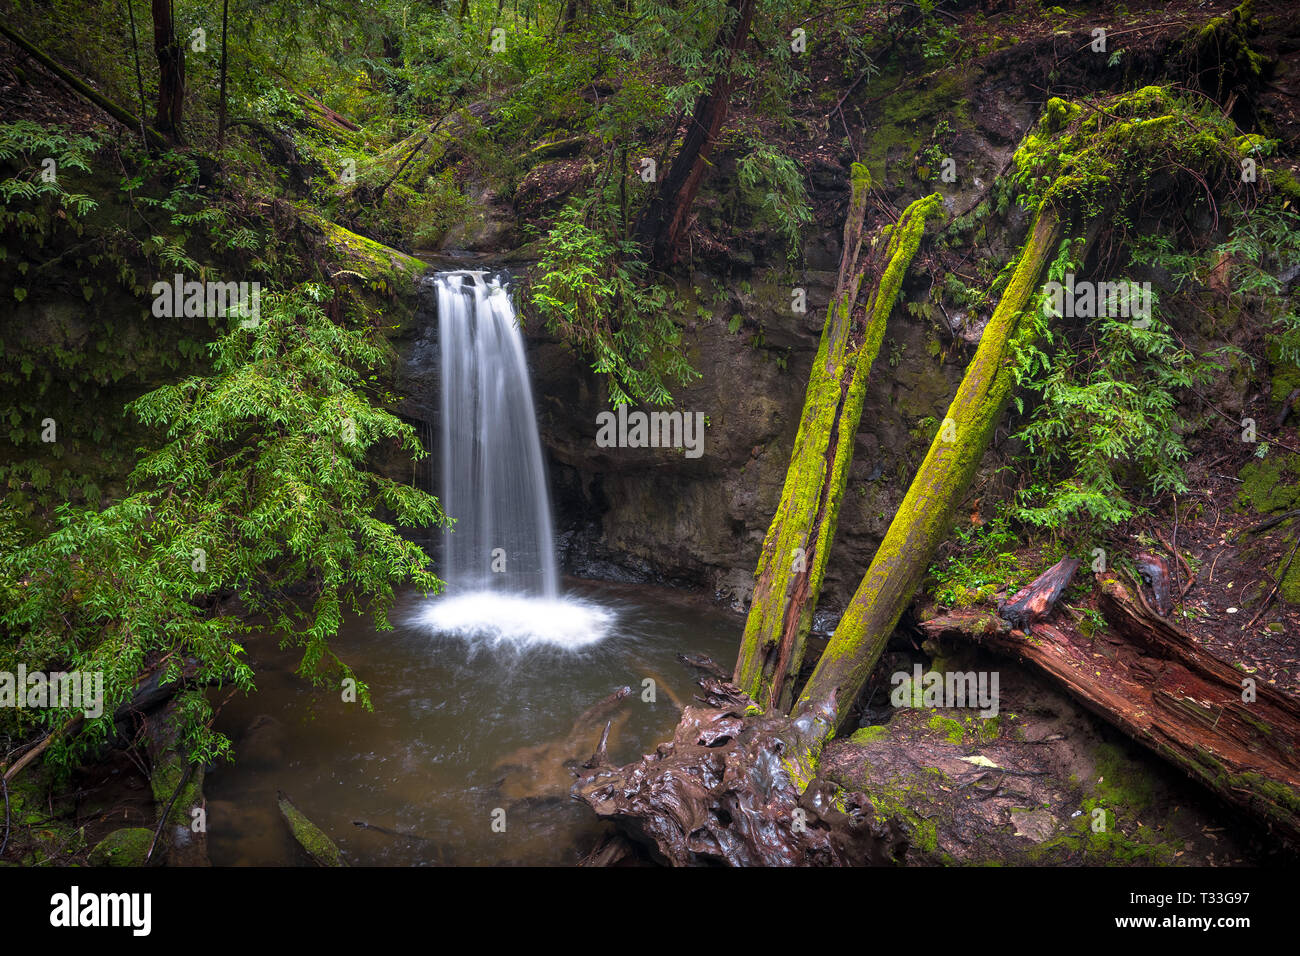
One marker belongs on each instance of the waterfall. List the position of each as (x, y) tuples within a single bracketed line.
[(499, 561), (493, 476)]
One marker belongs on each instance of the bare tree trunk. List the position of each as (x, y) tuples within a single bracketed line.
[(793, 562), (171, 70), (221, 110), (663, 223)]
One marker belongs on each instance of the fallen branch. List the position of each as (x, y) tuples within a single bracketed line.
[(322, 850), (123, 116)]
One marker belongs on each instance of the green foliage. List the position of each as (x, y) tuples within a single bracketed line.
[(982, 563), (590, 290), (1262, 243), (25, 142), (1106, 427), (258, 490), (772, 183)]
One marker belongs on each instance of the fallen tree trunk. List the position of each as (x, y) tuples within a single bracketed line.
[(793, 561), (922, 520), (123, 116), (1035, 602), (1151, 680), (322, 850)]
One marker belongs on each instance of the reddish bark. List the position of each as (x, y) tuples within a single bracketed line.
[(1150, 679), (662, 226), (171, 70)]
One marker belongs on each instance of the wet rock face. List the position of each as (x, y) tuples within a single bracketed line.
[(653, 514)]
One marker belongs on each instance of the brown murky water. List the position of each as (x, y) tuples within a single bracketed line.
[(464, 733)]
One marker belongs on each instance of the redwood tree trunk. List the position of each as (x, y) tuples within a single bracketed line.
[(171, 70), (663, 223)]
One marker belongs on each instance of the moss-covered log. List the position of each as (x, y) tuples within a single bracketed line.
[(922, 520), (793, 562), (322, 850), (122, 115)]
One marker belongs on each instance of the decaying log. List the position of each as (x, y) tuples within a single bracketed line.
[(122, 115), (1150, 679), (322, 850), (1035, 603), (612, 849)]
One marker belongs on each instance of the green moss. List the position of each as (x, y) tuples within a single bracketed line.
[(382, 268), (950, 728), (866, 735), (798, 542), (1270, 484), (125, 847), (1076, 161), (904, 800), (1122, 782), (309, 836), (907, 116), (1289, 589), (1109, 847), (1286, 184), (1286, 375)]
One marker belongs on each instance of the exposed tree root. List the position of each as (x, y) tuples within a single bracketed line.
[(735, 787)]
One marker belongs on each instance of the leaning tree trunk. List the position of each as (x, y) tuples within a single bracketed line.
[(171, 70), (122, 115), (663, 223), (793, 562), (922, 520)]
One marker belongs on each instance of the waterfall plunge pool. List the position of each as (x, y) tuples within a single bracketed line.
[(466, 721)]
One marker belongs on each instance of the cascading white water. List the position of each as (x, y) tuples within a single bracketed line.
[(493, 476), (499, 561)]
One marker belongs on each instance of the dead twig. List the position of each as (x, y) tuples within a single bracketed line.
[(1281, 576)]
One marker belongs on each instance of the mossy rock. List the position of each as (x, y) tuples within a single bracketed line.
[(382, 267), (125, 847), (1270, 484)]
